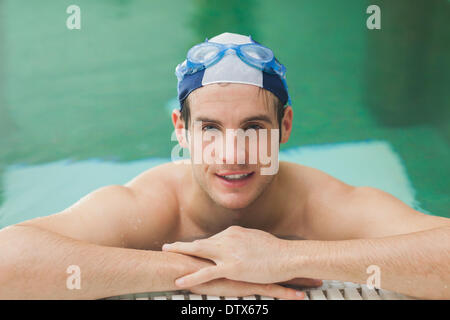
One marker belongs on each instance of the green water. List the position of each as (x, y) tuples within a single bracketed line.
[(371, 163), (102, 91)]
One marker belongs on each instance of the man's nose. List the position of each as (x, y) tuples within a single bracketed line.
[(232, 152)]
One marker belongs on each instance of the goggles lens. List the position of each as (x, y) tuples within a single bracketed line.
[(202, 53), (259, 53)]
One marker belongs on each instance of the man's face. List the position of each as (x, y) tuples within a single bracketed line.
[(232, 106)]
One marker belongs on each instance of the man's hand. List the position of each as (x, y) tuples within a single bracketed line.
[(239, 254), (231, 288)]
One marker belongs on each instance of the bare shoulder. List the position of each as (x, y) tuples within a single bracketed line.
[(159, 185), (321, 195), (156, 192), (317, 187), (335, 210), (139, 214), (159, 180)]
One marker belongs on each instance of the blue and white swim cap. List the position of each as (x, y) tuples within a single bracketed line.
[(232, 69)]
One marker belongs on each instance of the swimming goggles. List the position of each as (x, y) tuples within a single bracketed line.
[(206, 54)]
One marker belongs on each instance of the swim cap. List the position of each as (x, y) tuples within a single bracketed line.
[(233, 70)]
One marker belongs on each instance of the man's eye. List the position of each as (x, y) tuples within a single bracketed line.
[(254, 127), (209, 128)]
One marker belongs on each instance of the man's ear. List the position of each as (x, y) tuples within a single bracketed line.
[(180, 130), (286, 124)]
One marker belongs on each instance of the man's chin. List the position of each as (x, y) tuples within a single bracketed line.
[(234, 201)]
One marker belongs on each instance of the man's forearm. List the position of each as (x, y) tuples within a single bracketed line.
[(34, 263), (415, 264)]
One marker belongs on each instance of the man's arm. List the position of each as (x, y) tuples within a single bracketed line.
[(101, 234), (34, 265), (349, 229), (415, 264), (412, 249), (340, 212)]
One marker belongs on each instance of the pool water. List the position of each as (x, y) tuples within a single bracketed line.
[(377, 98), (52, 187)]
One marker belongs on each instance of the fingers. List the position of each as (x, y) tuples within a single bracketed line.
[(304, 282), (231, 288), (196, 248), (201, 276), (280, 292)]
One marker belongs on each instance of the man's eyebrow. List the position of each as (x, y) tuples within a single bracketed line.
[(204, 119), (261, 117)]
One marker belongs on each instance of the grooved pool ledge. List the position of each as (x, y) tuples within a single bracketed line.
[(38, 190)]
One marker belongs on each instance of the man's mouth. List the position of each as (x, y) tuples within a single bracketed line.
[(235, 179), (235, 176)]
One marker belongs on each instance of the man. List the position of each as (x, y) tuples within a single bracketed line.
[(290, 224)]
